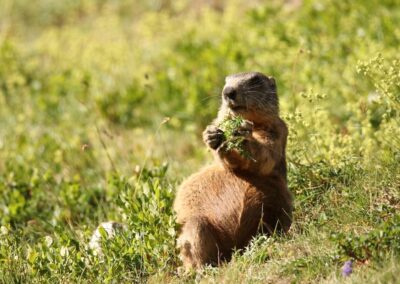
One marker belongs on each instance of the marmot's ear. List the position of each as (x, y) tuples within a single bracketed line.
[(271, 82)]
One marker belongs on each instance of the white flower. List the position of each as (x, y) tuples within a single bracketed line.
[(373, 97), (64, 251), (4, 230), (48, 240)]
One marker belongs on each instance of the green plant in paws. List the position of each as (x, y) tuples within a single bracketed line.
[(235, 130)]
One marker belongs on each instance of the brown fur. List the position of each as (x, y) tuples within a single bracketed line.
[(223, 206)]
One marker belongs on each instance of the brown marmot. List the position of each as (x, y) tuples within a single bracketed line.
[(223, 206)]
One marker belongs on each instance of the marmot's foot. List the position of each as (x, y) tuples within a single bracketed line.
[(213, 136)]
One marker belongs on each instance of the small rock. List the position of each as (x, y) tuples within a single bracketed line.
[(110, 227)]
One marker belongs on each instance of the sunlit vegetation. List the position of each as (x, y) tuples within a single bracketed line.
[(102, 105)]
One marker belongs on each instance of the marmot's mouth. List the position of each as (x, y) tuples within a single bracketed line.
[(237, 108)]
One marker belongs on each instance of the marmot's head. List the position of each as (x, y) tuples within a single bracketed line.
[(251, 95)]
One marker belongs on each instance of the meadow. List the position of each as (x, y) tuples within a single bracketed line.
[(102, 106)]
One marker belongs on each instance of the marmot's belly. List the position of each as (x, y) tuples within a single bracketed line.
[(232, 205), (238, 213)]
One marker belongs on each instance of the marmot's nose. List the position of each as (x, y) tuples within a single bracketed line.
[(230, 93)]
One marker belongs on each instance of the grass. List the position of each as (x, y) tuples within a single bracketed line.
[(102, 105), (231, 126)]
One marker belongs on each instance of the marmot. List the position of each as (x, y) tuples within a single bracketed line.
[(223, 206)]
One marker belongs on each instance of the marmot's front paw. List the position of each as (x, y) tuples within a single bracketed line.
[(245, 129), (213, 136)]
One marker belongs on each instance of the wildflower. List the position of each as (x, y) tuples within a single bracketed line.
[(347, 268), (48, 241), (64, 251), (4, 230)]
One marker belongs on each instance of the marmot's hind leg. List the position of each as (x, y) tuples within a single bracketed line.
[(197, 244)]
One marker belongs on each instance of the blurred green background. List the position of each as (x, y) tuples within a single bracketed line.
[(97, 97)]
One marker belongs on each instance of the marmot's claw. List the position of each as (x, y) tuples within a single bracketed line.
[(213, 136)]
